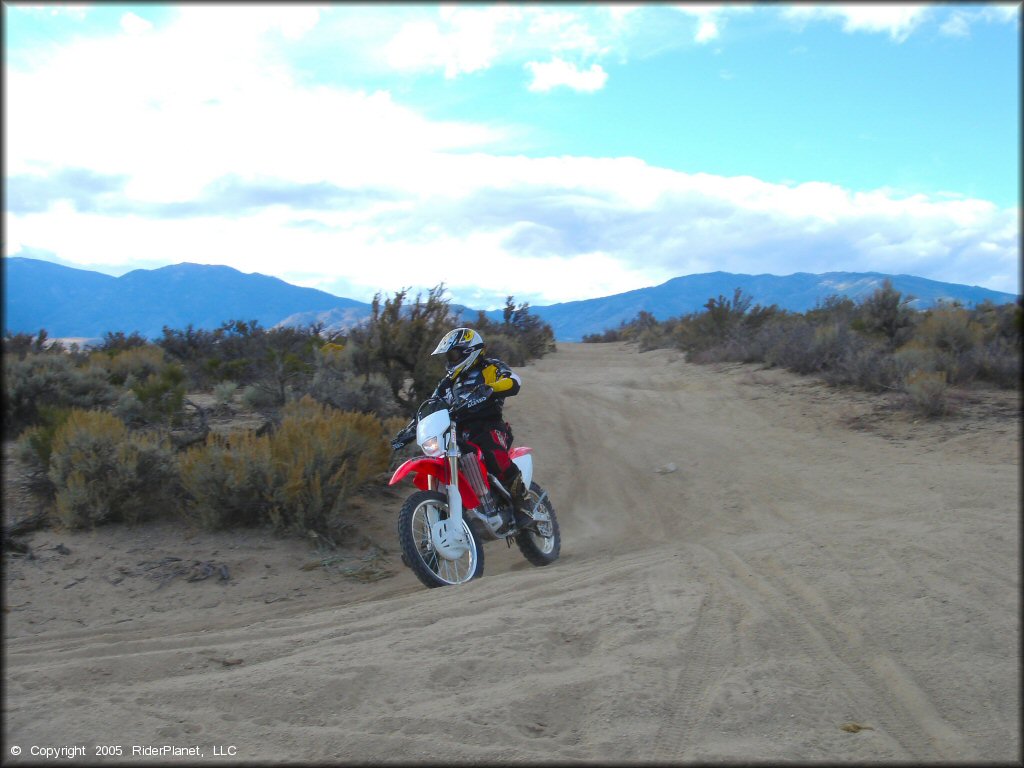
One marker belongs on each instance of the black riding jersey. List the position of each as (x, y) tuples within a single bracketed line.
[(476, 404)]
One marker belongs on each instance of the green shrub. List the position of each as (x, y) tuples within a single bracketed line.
[(259, 398), (49, 379), (886, 313), (162, 394), (224, 394), (101, 472), (129, 409), (35, 446)]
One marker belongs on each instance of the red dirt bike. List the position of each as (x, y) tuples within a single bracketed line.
[(442, 527)]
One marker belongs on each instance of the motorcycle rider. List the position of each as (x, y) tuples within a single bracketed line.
[(478, 385)]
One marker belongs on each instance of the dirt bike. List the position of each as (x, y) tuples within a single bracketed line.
[(443, 526)]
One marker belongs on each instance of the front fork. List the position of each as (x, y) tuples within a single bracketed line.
[(454, 496), (449, 536)]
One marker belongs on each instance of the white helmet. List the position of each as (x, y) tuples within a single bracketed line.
[(461, 348)]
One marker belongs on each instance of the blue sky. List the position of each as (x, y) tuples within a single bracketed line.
[(550, 151)]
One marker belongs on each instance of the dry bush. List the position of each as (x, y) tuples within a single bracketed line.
[(508, 349), (948, 329), (927, 392), (138, 363), (296, 478), (998, 361), (227, 480), (101, 472), (319, 455)]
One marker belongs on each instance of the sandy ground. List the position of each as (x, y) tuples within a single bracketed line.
[(755, 567)]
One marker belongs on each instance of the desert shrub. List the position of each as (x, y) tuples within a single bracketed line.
[(505, 347), (886, 313), (608, 335), (133, 362), (336, 383), (35, 445), (224, 394), (522, 334), (826, 345), (319, 455), (949, 329), (865, 365), (396, 343), (927, 392), (652, 338), (19, 345), (258, 399), (116, 341), (161, 394), (227, 480), (999, 362), (128, 409), (276, 360), (789, 347), (50, 380), (296, 478), (101, 472)]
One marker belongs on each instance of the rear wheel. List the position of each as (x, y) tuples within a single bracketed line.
[(541, 547), (421, 511)]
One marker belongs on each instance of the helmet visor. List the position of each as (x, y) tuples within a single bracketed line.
[(453, 356)]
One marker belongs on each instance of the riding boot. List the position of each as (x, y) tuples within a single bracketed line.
[(520, 506), (520, 502)]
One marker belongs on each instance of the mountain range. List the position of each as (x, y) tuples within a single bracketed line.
[(82, 304)]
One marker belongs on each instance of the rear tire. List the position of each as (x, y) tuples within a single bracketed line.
[(540, 550), (418, 551)]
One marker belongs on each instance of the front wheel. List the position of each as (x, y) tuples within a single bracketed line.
[(419, 513), (541, 547)]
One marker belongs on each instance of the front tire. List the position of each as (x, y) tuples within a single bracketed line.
[(537, 548), (418, 513)]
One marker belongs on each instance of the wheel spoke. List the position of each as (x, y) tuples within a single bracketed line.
[(450, 571)]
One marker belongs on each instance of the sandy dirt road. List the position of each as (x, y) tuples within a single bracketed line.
[(745, 576)]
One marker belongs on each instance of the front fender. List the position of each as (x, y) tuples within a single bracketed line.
[(428, 466)]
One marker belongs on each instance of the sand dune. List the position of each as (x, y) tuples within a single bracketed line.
[(754, 567)]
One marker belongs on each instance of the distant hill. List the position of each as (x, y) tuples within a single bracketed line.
[(70, 302), (79, 303), (796, 293)]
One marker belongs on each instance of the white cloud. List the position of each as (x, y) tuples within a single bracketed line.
[(1001, 13), (956, 25), (430, 203), (459, 39), (557, 229), (76, 11), (134, 25), (898, 20), (555, 73), (962, 19), (710, 17), (462, 40)]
